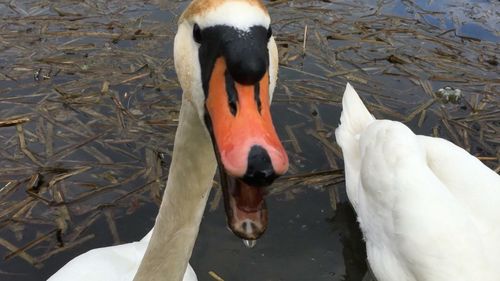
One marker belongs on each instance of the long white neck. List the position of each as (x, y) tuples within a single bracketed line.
[(189, 181)]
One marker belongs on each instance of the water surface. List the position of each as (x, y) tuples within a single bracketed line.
[(96, 79)]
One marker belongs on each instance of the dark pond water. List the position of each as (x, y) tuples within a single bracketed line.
[(96, 79)]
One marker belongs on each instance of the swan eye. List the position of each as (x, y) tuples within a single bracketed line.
[(269, 32), (197, 33)]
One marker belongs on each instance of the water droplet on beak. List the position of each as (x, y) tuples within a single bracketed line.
[(249, 243)]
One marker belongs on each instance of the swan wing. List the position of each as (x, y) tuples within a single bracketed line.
[(471, 182), (415, 228)]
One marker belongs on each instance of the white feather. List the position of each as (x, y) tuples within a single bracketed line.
[(428, 209), (115, 263)]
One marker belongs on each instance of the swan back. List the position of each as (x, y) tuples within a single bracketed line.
[(470, 181), (417, 222)]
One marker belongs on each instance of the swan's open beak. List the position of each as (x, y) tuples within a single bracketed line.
[(249, 151)]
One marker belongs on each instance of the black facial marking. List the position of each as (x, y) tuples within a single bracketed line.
[(256, 92), (245, 52), (232, 96), (269, 32), (208, 123)]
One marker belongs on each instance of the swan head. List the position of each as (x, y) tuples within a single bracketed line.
[(226, 60)]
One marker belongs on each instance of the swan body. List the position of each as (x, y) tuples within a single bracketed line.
[(428, 210), (114, 263), (226, 61)]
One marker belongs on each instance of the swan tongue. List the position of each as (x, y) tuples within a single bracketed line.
[(248, 199), (245, 208)]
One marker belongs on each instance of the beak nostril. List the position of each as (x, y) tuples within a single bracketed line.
[(256, 95), (232, 95)]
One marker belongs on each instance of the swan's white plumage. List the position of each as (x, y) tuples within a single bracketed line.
[(115, 263), (428, 209)]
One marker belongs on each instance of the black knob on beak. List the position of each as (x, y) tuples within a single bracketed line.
[(246, 68), (260, 170), (247, 57)]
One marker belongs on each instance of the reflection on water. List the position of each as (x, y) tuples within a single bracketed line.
[(474, 19), (96, 79), (300, 244)]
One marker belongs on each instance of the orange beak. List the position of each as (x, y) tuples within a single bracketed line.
[(250, 153), (249, 124)]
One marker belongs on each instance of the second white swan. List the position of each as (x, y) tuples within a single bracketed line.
[(428, 210)]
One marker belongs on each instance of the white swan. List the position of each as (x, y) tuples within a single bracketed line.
[(227, 61), (428, 210)]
